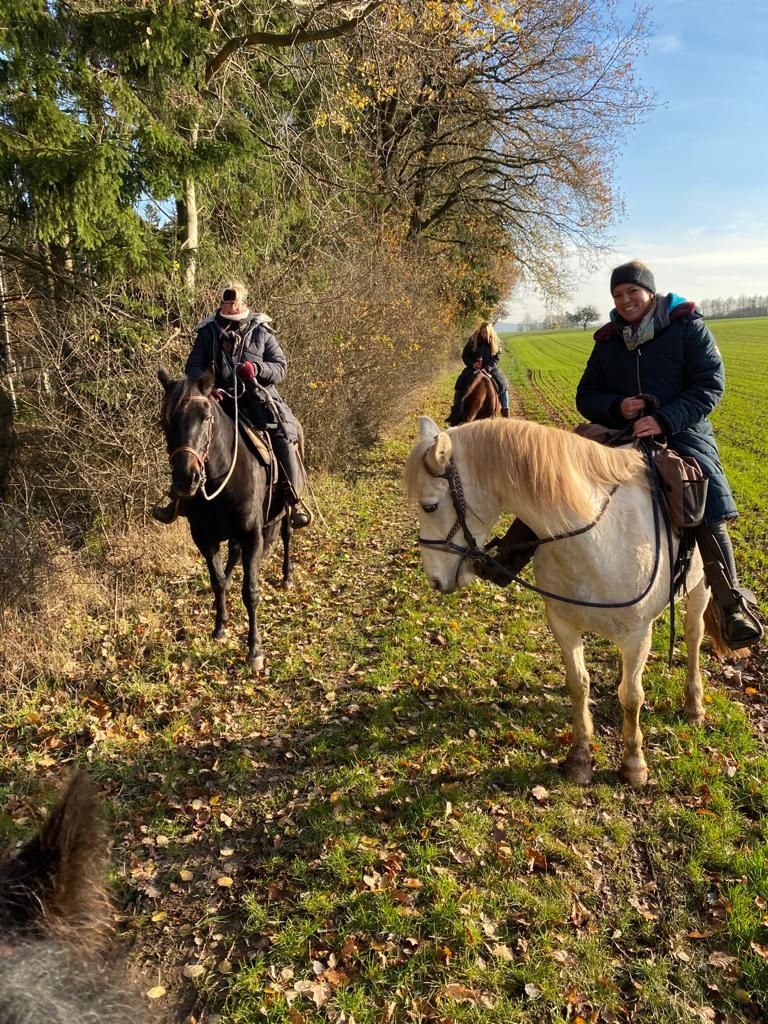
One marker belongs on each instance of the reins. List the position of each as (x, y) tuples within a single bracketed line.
[(202, 458), (481, 554)]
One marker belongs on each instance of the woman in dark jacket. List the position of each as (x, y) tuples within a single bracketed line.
[(656, 366), (240, 343), (481, 352)]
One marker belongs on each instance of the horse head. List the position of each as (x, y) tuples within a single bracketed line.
[(187, 418), (453, 519)]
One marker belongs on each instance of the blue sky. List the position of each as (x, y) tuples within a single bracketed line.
[(694, 175)]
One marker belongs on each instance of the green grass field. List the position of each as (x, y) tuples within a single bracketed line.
[(378, 831)]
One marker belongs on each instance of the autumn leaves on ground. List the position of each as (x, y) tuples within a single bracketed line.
[(378, 830)]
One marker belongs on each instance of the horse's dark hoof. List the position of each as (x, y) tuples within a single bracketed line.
[(257, 665), (578, 767), (219, 633), (694, 716), (287, 584)]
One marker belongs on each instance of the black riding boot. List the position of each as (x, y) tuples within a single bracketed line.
[(739, 624), (514, 551), (456, 415), (292, 479), (169, 513)]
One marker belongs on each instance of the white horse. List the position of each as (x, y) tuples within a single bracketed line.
[(558, 482)]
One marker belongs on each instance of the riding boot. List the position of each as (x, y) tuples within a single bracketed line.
[(456, 415), (169, 513), (740, 626), (504, 413), (292, 479), (514, 551)]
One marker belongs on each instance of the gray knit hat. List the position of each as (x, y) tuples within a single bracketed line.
[(633, 273)]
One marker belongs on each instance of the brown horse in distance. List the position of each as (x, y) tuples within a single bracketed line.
[(480, 401)]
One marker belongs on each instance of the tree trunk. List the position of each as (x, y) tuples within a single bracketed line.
[(7, 395), (187, 224)]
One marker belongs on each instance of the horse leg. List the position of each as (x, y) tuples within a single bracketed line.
[(252, 552), (634, 654), (219, 585), (578, 763), (286, 532), (693, 630)]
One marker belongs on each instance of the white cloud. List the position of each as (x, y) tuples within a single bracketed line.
[(666, 43), (727, 266)]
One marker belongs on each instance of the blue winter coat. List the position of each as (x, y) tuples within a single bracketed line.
[(260, 347), (682, 369)]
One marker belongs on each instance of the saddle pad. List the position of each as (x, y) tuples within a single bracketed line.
[(259, 443)]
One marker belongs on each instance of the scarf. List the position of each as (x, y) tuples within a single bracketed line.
[(635, 335)]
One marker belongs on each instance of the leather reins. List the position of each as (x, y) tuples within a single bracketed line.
[(481, 554)]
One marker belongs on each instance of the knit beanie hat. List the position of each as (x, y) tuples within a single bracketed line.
[(633, 273), (234, 302)]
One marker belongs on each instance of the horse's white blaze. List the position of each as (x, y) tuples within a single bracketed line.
[(610, 563)]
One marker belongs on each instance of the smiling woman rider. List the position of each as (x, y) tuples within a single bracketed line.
[(656, 366)]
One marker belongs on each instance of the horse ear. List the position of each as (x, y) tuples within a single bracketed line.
[(428, 429), (164, 377), (51, 878), (439, 455), (206, 381)]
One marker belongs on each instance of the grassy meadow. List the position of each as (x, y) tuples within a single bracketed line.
[(378, 831)]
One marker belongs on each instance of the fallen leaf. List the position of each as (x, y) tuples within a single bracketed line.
[(157, 992)]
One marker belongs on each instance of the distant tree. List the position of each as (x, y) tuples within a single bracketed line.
[(572, 319), (586, 315)]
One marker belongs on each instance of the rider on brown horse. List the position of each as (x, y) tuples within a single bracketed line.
[(481, 352), (243, 350)]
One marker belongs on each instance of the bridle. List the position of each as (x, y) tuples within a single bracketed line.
[(201, 457), (479, 554)]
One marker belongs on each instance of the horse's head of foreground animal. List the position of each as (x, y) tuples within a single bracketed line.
[(187, 419), (428, 486)]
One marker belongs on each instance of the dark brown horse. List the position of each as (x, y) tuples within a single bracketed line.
[(54, 919), (224, 497), (480, 400)]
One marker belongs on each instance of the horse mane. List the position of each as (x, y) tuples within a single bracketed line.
[(556, 468)]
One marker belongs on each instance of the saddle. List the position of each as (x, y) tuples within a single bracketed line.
[(681, 480), (259, 444)]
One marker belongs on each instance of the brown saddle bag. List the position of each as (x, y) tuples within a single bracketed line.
[(682, 482)]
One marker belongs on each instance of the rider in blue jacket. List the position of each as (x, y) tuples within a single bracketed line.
[(481, 352), (656, 371), (241, 344)]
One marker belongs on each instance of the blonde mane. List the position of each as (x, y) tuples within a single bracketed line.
[(556, 468)]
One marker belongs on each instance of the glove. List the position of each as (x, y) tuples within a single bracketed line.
[(478, 364), (218, 394), (247, 373)]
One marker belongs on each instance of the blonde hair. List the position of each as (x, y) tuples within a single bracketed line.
[(493, 338)]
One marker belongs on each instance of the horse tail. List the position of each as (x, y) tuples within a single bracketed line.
[(714, 631)]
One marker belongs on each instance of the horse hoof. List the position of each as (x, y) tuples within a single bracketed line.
[(578, 767), (257, 665), (219, 633), (694, 716), (633, 775), (287, 584)]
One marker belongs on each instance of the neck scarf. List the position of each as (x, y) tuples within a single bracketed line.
[(634, 335)]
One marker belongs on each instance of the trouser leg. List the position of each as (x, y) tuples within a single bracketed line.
[(740, 625), (455, 415), (514, 551), (504, 400), (292, 477)]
